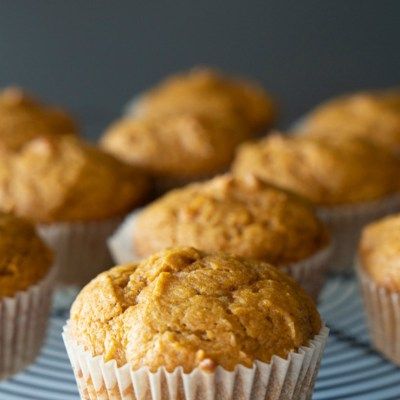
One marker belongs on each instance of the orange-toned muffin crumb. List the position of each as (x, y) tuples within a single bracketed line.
[(186, 145), (185, 308), (327, 170), (212, 93), (379, 252), (241, 216), (22, 118), (24, 258), (374, 115), (65, 179)]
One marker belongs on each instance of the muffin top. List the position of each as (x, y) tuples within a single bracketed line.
[(24, 258), (379, 251), (241, 216), (176, 145), (210, 92), (183, 307), (23, 118), (374, 115), (65, 179), (327, 170)]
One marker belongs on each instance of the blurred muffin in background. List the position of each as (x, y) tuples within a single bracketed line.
[(23, 118), (379, 273), (176, 148), (374, 115), (240, 216), (26, 282), (181, 314), (351, 180), (76, 193), (211, 93)]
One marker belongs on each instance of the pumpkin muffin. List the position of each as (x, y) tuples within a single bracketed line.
[(212, 93), (379, 273), (192, 311), (351, 180), (374, 115), (75, 192), (22, 118), (26, 281), (175, 148)]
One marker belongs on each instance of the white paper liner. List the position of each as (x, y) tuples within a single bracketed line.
[(382, 307), (346, 223), (23, 323), (310, 273), (283, 379), (80, 248)]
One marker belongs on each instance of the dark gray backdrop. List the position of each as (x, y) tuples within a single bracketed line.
[(93, 55)]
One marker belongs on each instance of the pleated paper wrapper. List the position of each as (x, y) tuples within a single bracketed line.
[(382, 309), (310, 273), (346, 223), (80, 248), (23, 323), (283, 379)]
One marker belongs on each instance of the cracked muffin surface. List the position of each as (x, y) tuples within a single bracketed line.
[(183, 145), (328, 171), (374, 115), (24, 258), (186, 308), (212, 93), (22, 118), (242, 216), (65, 179), (379, 251)]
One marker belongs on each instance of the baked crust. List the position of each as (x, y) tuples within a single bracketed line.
[(185, 308)]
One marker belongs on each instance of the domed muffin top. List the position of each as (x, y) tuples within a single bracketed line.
[(328, 171), (181, 145), (185, 308), (65, 179), (22, 118), (241, 216), (24, 258), (374, 115), (210, 92), (379, 251)]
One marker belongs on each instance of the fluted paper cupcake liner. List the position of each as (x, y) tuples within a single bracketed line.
[(382, 308), (346, 223), (80, 248), (23, 323), (310, 273), (283, 379)]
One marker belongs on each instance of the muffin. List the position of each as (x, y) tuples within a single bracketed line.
[(26, 281), (22, 118), (183, 323), (379, 273), (175, 148), (244, 217), (211, 93), (351, 180), (374, 115), (76, 193)]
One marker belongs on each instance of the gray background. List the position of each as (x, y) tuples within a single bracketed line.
[(92, 56)]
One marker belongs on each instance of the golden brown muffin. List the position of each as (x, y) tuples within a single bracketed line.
[(24, 258), (183, 307), (183, 146), (65, 179), (328, 171), (212, 93), (374, 115), (244, 217), (23, 118), (379, 251)]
